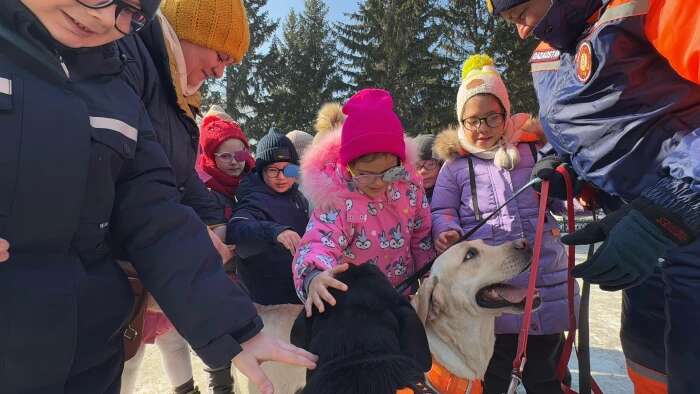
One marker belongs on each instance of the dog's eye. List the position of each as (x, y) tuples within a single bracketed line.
[(471, 253)]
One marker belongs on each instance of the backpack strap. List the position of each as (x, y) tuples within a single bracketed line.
[(472, 184), (533, 150)]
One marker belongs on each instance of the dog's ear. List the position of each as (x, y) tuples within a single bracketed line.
[(429, 299), (301, 331), (412, 338)]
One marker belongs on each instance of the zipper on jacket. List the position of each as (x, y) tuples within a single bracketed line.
[(63, 66)]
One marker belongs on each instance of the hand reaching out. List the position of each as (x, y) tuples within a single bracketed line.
[(318, 289)]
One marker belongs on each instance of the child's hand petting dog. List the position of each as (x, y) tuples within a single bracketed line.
[(445, 240), (290, 240), (318, 288), (4, 250)]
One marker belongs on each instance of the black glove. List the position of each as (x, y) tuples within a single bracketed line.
[(637, 236), (545, 169)]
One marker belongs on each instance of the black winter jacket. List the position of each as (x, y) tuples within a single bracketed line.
[(261, 214), (82, 182), (148, 73)]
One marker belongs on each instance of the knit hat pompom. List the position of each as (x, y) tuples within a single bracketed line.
[(476, 62), (371, 126), (329, 118), (507, 156)]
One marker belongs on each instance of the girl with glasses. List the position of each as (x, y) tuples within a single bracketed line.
[(486, 160), (370, 207), (428, 164)]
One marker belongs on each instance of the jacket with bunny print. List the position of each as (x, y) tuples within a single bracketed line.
[(392, 232)]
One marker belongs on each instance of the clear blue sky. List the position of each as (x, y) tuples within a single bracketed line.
[(336, 8)]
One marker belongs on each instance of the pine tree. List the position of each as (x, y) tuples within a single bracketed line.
[(390, 44), (307, 74), (469, 29), (243, 91)]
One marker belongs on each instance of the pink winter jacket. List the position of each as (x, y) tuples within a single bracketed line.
[(346, 226)]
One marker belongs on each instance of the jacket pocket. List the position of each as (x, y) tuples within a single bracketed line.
[(117, 135), (10, 135)]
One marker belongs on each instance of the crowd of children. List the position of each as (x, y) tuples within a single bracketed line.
[(383, 198), (120, 81)]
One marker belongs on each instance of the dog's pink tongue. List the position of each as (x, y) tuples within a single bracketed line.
[(513, 295)]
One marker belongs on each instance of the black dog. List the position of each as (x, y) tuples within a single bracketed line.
[(370, 342)]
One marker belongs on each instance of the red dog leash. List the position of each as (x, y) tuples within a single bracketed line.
[(521, 354)]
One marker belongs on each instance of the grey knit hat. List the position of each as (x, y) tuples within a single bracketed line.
[(425, 146), (275, 147)]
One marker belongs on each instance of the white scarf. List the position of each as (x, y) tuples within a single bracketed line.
[(181, 66)]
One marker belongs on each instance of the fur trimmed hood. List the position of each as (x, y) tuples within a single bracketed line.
[(448, 146), (322, 179)]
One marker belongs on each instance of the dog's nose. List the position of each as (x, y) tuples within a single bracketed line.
[(520, 244)]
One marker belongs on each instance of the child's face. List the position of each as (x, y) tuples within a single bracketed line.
[(274, 177), (527, 16), (483, 121), (225, 157), (378, 165), (77, 26), (428, 170)]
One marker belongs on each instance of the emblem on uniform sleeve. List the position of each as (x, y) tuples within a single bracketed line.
[(584, 61)]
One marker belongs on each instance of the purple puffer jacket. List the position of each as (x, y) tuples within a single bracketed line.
[(452, 209)]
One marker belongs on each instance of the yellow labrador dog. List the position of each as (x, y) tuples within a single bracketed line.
[(457, 304)]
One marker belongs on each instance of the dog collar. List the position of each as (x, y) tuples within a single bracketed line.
[(445, 382)]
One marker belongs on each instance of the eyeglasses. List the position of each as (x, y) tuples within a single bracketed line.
[(128, 19), (493, 121), (290, 171), (428, 165), (393, 174), (240, 156)]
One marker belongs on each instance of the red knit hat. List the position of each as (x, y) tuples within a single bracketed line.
[(214, 131), (371, 126)]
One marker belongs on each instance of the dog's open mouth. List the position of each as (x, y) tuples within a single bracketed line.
[(501, 295)]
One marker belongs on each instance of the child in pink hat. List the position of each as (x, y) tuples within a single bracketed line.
[(370, 204)]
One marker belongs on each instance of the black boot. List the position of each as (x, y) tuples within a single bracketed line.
[(220, 380), (187, 388)]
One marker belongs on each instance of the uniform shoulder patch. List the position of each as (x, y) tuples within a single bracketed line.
[(584, 61)]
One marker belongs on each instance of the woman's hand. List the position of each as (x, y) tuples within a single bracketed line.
[(264, 347), (225, 251)]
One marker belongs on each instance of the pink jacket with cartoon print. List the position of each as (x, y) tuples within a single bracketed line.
[(346, 226)]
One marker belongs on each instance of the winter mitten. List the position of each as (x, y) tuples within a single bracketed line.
[(636, 237)]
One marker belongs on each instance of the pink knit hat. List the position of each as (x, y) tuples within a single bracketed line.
[(371, 127)]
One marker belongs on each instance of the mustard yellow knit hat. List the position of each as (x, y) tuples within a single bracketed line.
[(221, 25)]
